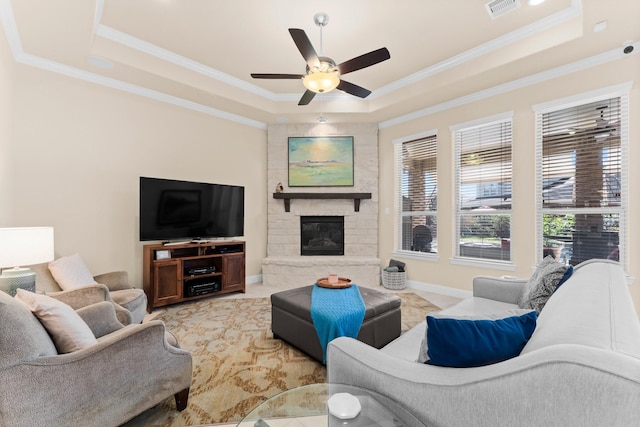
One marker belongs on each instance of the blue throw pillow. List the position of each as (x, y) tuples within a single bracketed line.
[(565, 276), (467, 343)]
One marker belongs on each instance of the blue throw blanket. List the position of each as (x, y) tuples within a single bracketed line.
[(336, 313)]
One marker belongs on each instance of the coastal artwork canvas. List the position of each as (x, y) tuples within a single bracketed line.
[(321, 161)]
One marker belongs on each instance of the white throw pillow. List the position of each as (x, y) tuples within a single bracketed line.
[(423, 357), (70, 272), (67, 329)]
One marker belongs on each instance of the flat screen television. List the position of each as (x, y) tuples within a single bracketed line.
[(172, 209)]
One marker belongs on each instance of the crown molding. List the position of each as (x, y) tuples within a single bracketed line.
[(76, 73), (13, 38), (543, 76), (179, 60), (572, 12), (10, 29), (8, 23)]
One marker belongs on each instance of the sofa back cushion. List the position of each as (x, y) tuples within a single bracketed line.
[(592, 308), (22, 337)]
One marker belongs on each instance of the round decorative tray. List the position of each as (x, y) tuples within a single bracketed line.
[(343, 282)]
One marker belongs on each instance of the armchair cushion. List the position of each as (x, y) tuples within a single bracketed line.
[(69, 332), (71, 272), (92, 294), (23, 337), (134, 300), (114, 280), (101, 318)]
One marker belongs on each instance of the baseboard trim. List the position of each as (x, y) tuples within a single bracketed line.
[(253, 279)]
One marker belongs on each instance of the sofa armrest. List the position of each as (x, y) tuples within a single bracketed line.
[(507, 290), (101, 318), (91, 294), (106, 384), (522, 391), (115, 280)]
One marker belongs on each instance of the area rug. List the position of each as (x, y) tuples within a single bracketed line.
[(237, 364)]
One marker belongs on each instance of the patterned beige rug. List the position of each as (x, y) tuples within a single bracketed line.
[(236, 362)]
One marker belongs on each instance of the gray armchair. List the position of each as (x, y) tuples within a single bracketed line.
[(130, 303), (128, 371)]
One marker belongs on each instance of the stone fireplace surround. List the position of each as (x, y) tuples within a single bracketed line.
[(284, 266)]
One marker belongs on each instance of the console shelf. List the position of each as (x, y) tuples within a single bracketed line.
[(287, 197), (183, 272)]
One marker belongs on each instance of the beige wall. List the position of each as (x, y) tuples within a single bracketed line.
[(523, 242), (83, 147), (7, 72)]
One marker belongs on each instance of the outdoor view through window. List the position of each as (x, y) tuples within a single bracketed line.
[(581, 182)]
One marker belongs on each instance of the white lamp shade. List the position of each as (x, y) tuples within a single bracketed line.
[(25, 246)]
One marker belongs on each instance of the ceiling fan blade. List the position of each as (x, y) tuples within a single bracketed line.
[(352, 89), (306, 97), (364, 61), (304, 46), (276, 76)]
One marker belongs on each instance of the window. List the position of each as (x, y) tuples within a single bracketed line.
[(483, 188), (581, 183), (417, 187)]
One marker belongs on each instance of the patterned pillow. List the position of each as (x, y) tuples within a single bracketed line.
[(542, 284), (70, 272)]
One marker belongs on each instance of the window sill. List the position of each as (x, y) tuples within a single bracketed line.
[(482, 263), (424, 256)]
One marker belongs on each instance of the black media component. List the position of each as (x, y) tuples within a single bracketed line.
[(201, 288), (196, 271), (171, 209), (227, 249)]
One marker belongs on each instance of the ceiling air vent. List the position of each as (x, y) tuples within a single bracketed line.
[(497, 8)]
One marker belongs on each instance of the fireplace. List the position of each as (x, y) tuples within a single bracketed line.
[(321, 235)]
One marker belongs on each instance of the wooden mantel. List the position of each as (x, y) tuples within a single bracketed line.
[(288, 196)]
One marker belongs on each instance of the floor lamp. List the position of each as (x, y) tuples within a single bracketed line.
[(23, 246)]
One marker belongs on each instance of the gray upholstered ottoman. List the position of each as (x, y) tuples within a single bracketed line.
[(291, 319)]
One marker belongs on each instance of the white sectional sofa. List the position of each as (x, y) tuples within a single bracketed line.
[(581, 366)]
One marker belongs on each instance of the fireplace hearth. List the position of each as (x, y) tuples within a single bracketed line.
[(321, 235)]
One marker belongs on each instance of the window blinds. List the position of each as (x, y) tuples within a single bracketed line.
[(419, 175), (483, 190), (582, 156), (582, 180), (484, 165), (418, 191)]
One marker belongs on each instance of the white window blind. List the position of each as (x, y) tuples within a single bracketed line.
[(581, 180), (417, 187), (483, 186)]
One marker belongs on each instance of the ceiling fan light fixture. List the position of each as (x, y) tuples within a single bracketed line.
[(321, 81)]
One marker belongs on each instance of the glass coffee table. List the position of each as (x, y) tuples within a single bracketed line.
[(325, 405)]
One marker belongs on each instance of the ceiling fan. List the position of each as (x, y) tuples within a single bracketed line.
[(601, 127), (322, 73)]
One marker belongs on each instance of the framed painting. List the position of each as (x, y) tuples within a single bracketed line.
[(321, 161)]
